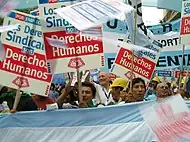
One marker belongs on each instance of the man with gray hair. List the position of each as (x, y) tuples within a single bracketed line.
[(163, 91)]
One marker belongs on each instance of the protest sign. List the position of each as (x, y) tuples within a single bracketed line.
[(169, 119), (101, 11), (24, 66), (58, 78), (185, 22), (164, 75), (184, 73), (171, 55), (80, 51), (143, 66)]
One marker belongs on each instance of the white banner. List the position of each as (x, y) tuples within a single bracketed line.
[(81, 50), (24, 65)]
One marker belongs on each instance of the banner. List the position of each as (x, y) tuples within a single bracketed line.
[(164, 75), (185, 22), (168, 119), (58, 78), (79, 51), (162, 4), (25, 62), (171, 55), (184, 73), (122, 123), (101, 11), (165, 28), (143, 66)]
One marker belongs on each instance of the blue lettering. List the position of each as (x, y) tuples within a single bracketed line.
[(149, 54), (27, 41), (187, 10), (9, 37), (32, 32), (54, 22), (48, 11)]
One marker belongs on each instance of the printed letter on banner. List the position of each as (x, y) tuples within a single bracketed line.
[(169, 119), (185, 22), (25, 62), (143, 66), (79, 51)]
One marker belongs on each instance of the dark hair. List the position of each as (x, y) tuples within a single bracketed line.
[(62, 87), (138, 80), (53, 85), (3, 89), (169, 84), (73, 94), (88, 84)]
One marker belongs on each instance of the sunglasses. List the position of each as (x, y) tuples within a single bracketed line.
[(164, 87)]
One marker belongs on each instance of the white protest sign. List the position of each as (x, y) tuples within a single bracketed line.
[(171, 39), (171, 54), (143, 66), (169, 119), (93, 13), (25, 61), (185, 22), (83, 52)]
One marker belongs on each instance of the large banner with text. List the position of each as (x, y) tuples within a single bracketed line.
[(25, 62)]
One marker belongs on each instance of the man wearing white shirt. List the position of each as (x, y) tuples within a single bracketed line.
[(103, 95)]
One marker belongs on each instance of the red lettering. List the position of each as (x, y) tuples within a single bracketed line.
[(52, 1)]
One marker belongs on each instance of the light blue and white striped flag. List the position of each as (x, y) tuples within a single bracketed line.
[(122, 123)]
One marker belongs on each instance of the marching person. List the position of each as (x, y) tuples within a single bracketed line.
[(151, 92), (138, 91), (162, 91), (88, 95), (103, 93), (118, 85)]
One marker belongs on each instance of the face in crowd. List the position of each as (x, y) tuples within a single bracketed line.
[(88, 92), (154, 84), (116, 93), (162, 90), (138, 89), (104, 79)]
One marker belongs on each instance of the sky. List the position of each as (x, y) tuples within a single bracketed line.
[(152, 15)]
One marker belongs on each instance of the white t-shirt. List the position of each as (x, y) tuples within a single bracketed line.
[(102, 95)]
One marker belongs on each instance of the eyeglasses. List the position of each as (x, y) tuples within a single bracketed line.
[(164, 87)]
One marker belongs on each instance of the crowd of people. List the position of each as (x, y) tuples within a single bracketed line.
[(93, 94)]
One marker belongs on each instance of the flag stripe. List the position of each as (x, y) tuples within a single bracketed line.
[(76, 117)]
